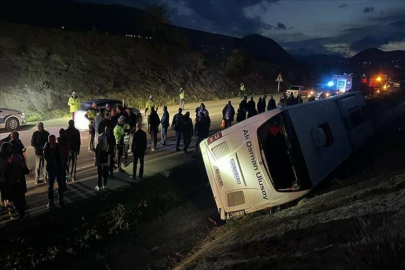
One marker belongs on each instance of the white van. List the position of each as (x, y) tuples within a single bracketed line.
[(279, 156)]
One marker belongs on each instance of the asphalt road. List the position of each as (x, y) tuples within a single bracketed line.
[(159, 161)]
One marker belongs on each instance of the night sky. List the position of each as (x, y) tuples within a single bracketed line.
[(300, 26)]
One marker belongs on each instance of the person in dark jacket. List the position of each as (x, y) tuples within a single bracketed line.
[(139, 143), (130, 118), (299, 99), (38, 141), (177, 125), (261, 105), (228, 114), (199, 109), (107, 126), (291, 100), (187, 131), (54, 167), (15, 175), (272, 104), (154, 123), (264, 102), (5, 152), (74, 143), (241, 114), (244, 105), (64, 151), (102, 160), (251, 108), (202, 128), (164, 122)]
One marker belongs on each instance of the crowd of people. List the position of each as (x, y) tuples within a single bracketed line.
[(113, 133)]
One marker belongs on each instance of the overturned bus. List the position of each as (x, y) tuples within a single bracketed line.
[(278, 156)]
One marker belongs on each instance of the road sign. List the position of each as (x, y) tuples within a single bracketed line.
[(279, 78)]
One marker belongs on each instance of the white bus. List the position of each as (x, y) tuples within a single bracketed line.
[(280, 155)]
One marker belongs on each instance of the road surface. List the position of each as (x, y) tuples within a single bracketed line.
[(160, 161)]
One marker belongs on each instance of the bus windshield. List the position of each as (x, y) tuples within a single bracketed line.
[(282, 154)]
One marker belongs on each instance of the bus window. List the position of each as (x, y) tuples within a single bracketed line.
[(355, 117), (329, 136), (282, 155)]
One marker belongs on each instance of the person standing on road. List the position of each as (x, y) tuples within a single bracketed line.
[(291, 99), (64, 152), (164, 121), (102, 160), (154, 127), (5, 150), (90, 115), (108, 109), (74, 143), (264, 102), (228, 114), (187, 131), (177, 125), (182, 98), (202, 128), (199, 109), (272, 104), (242, 90), (138, 148), (15, 176), (299, 99), (38, 141), (244, 105), (251, 108), (107, 127), (120, 132), (130, 118), (261, 105), (54, 167), (74, 104), (97, 120), (148, 109), (241, 114)]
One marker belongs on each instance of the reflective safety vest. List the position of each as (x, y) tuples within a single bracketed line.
[(242, 87), (182, 95), (74, 104), (149, 105)]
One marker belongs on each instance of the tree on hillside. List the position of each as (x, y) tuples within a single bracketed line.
[(160, 16), (235, 63)]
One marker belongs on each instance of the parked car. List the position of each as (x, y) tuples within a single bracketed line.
[(11, 119), (297, 90), (81, 121)]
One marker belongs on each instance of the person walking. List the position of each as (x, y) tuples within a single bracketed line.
[(241, 114), (16, 170), (148, 109), (228, 114), (182, 98), (177, 125), (154, 127), (138, 148), (54, 167), (64, 152), (106, 127), (242, 90), (251, 108), (164, 122), (91, 115), (187, 131), (74, 144), (38, 141), (272, 104), (120, 130), (74, 104), (102, 160), (202, 127)]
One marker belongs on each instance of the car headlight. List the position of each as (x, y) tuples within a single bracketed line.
[(327, 94)]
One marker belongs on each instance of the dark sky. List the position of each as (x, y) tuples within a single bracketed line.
[(320, 26)]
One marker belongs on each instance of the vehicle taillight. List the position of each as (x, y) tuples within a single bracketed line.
[(214, 138)]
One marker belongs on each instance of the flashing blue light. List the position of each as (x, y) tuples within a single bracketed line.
[(331, 83)]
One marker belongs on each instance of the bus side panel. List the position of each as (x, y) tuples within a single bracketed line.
[(321, 161)]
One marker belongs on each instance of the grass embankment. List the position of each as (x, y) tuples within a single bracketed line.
[(83, 235), (41, 67)]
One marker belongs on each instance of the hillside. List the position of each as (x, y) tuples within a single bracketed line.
[(41, 67)]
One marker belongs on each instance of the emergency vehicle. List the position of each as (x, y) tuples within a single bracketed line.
[(278, 156)]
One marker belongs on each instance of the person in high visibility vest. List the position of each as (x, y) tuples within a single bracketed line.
[(182, 97), (90, 115), (148, 109), (74, 104), (242, 90)]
